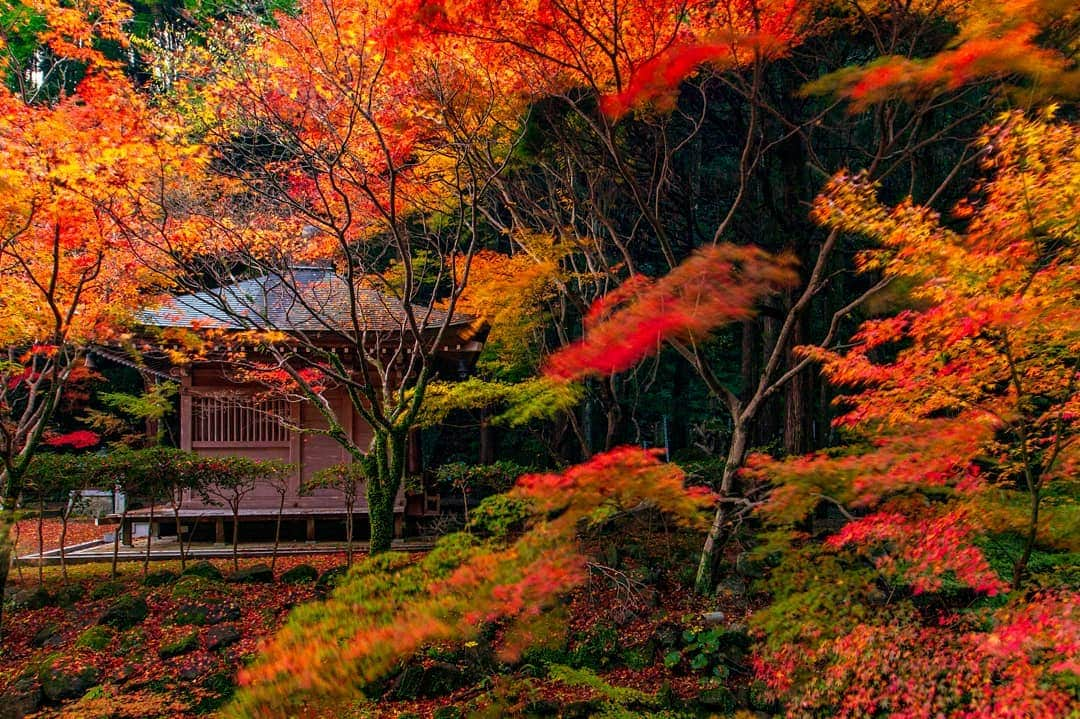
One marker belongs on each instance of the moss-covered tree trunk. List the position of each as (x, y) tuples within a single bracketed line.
[(7, 545), (386, 469)]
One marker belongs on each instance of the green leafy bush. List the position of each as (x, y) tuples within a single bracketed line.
[(500, 515)]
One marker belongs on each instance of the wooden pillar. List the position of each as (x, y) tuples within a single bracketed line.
[(126, 531), (399, 526), (414, 452), (311, 530), (185, 411), (296, 458), (219, 530)]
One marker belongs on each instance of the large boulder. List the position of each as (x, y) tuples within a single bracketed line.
[(125, 613), (190, 614), (96, 638)]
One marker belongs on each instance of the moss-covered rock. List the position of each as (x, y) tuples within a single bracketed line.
[(160, 578), (193, 587), (203, 569), (58, 684), (47, 636), (450, 712), (221, 636), (96, 638), (600, 649), (719, 699), (190, 614), (23, 697), (256, 574), (431, 680), (183, 645), (300, 574), (69, 595), (330, 578), (107, 590), (125, 613), (222, 611), (36, 598)]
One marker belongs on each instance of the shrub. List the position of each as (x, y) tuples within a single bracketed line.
[(499, 515), (599, 650)]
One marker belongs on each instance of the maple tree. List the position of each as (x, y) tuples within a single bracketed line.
[(336, 143), (966, 404), (333, 651), (71, 153), (229, 480), (347, 479)]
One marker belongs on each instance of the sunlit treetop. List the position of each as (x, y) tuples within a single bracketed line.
[(631, 53)]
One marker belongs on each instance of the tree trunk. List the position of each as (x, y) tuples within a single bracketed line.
[(797, 401), (63, 540), (7, 552), (349, 531), (707, 564), (487, 444), (236, 536), (387, 465), (149, 540), (14, 545), (180, 537), (41, 541), (116, 540), (1020, 567)]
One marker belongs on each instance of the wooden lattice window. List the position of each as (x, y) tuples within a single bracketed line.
[(238, 421)]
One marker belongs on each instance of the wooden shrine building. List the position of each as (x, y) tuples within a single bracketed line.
[(219, 416)]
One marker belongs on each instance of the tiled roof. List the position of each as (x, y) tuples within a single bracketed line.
[(310, 299)]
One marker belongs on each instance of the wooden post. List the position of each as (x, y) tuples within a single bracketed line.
[(219, 531), (399, 526), (311, 530)]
